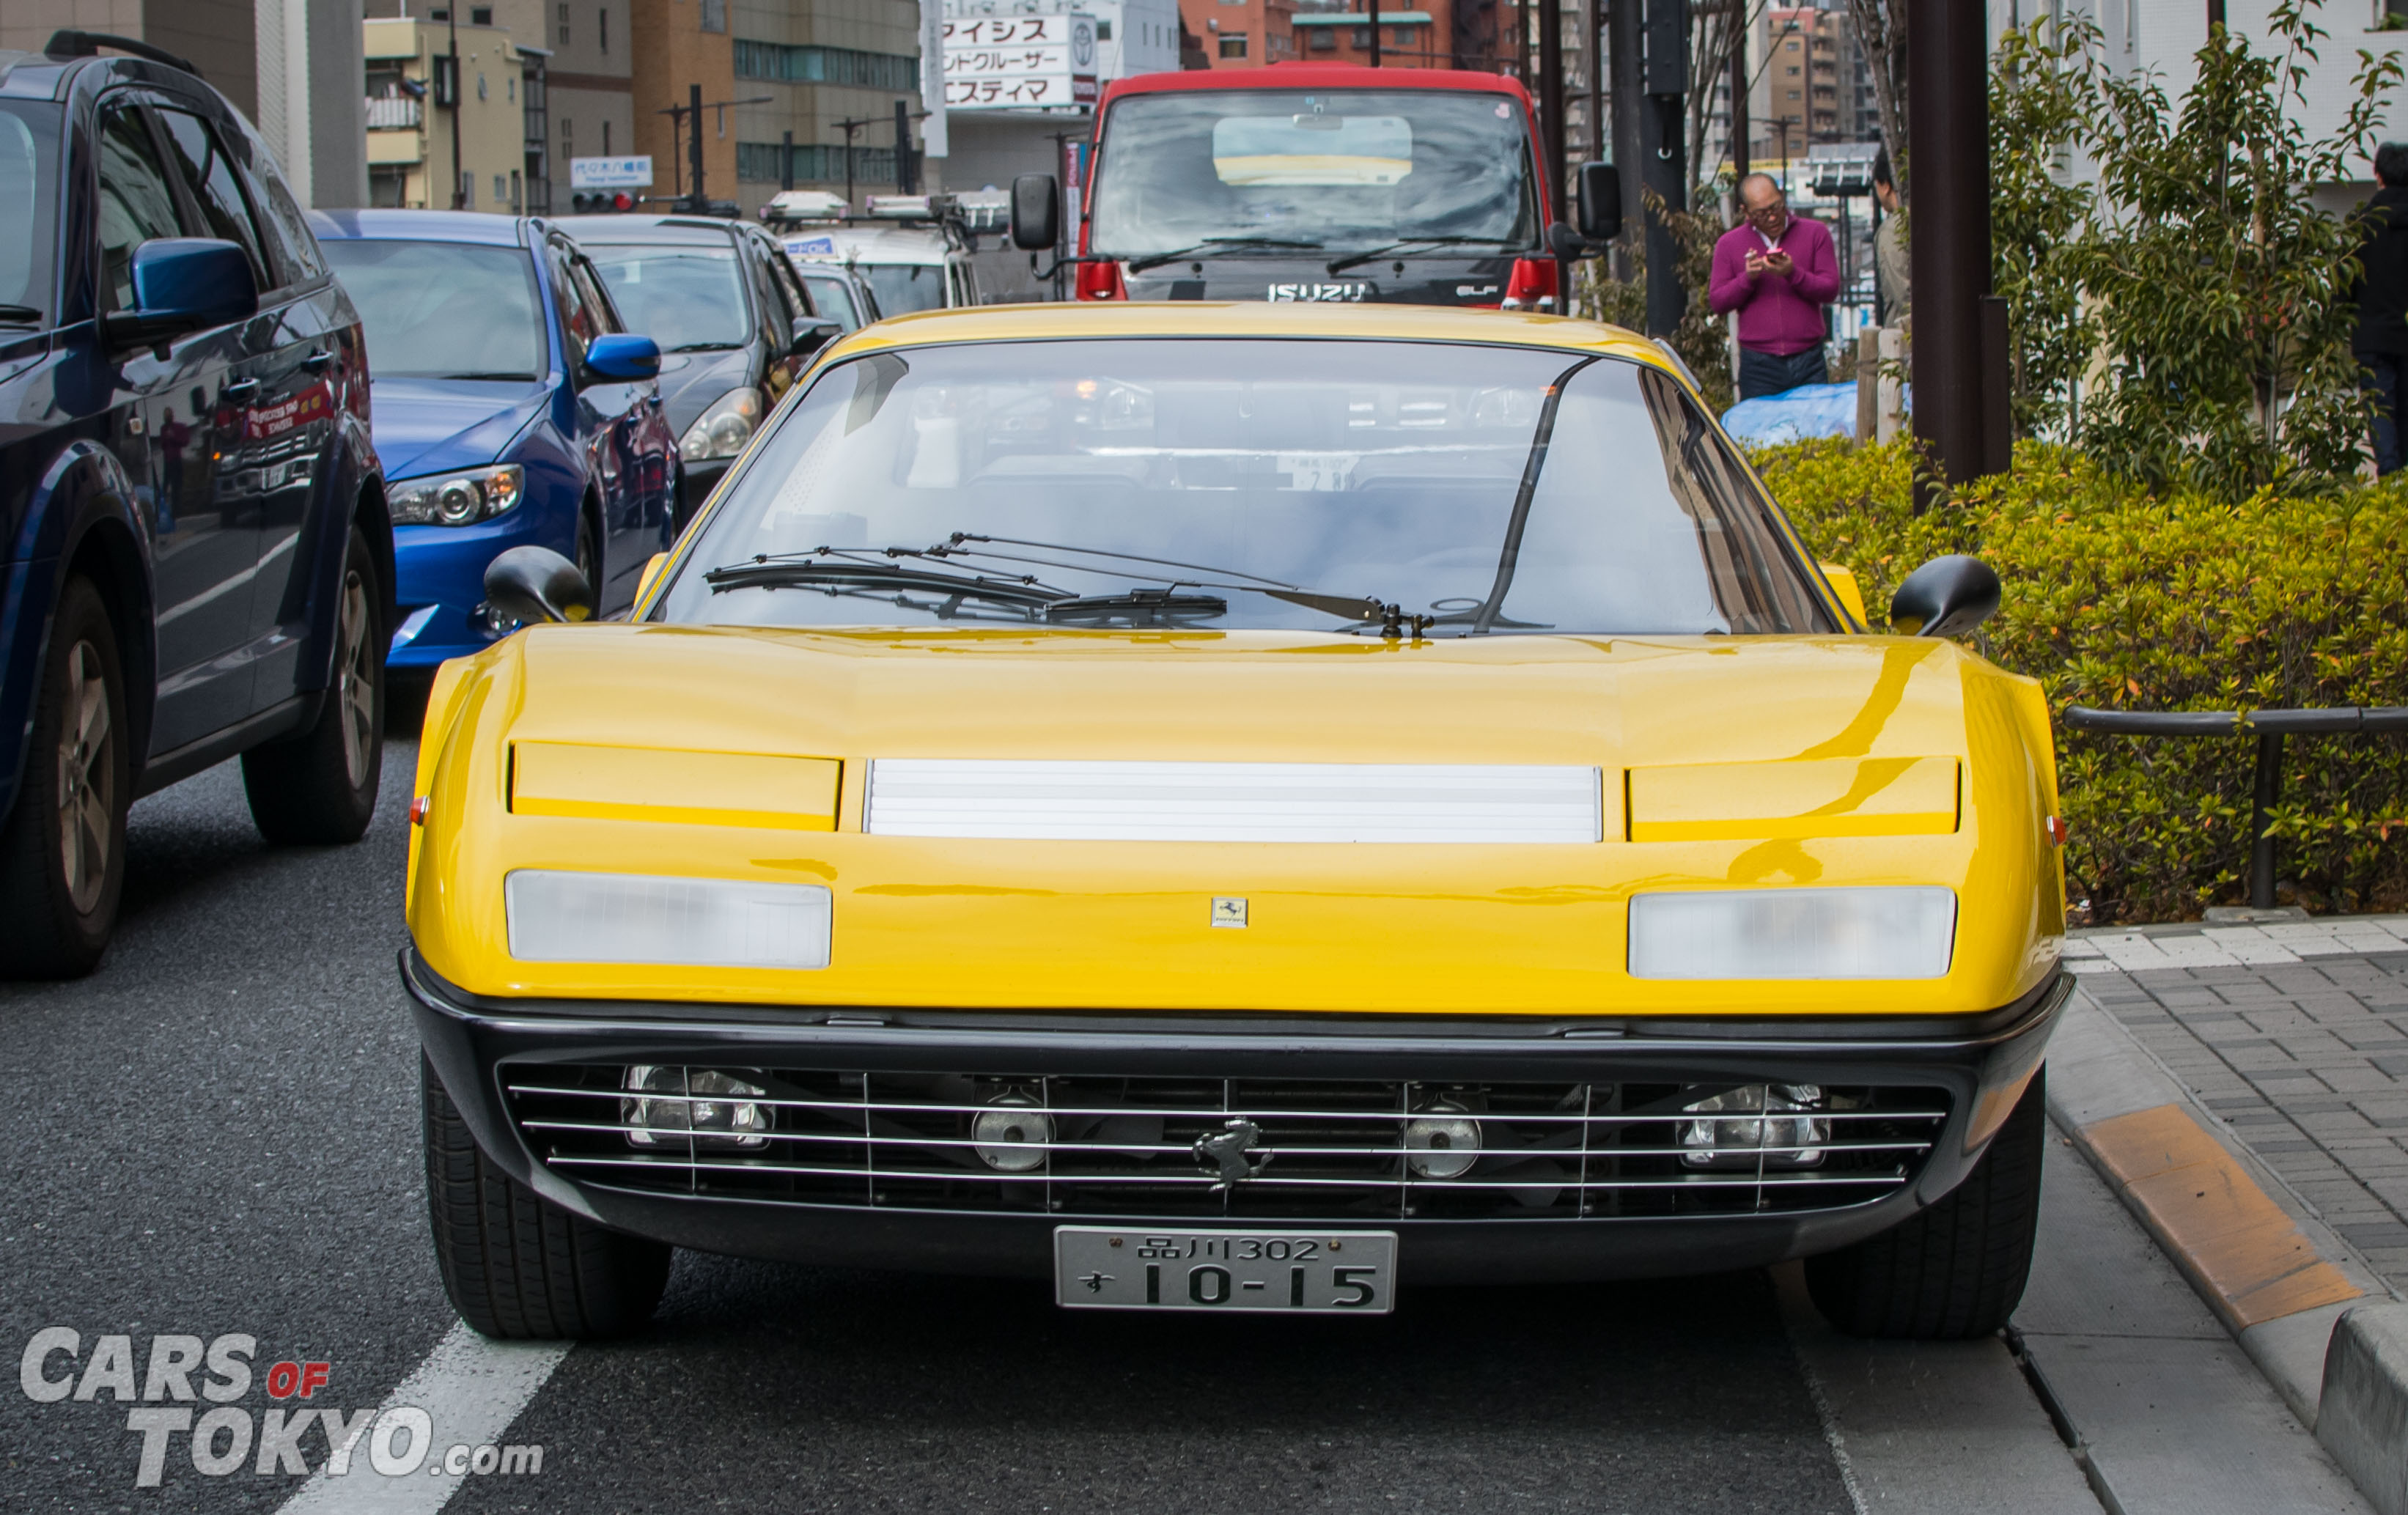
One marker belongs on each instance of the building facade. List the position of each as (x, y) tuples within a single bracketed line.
[(414, 113)]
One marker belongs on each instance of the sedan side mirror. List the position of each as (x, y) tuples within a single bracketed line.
[(532, 583), (184, 284), (1946, 597), (810, 333), (624, 356), (1036, 212), (1600, 202)]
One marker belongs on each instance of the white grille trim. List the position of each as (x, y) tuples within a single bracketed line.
[(1235, 802)]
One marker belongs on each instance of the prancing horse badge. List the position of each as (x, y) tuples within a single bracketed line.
[(1228, 910)]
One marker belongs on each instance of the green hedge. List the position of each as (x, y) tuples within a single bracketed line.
[(2118, 598)]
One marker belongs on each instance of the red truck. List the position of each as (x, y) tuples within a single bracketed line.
[(1316, 181)]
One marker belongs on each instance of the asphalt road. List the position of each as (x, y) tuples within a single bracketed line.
[(218, 1132)]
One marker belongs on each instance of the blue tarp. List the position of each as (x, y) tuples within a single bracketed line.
[(1793, 415)]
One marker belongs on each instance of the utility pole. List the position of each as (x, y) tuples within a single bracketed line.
[(902, 148), (689, 116), (1622, 24), (848, 128), (1550, 112), (1375, 33), (1948, 141), (786, 163), (459, 184), (692, 142), (1665, 157)]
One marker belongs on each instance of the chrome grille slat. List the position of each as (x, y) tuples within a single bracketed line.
[(1123, 1149)]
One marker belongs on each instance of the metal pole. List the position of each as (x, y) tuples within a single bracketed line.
[(2261, 846), (1550, 112), (694, 145), (902, 148), (1666, 159), (786, 165), (459, 185), (1739, 98), (1375, 35), (1622, 24), (1948, 143)]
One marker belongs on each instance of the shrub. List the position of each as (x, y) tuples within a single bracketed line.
[(2118, 596)]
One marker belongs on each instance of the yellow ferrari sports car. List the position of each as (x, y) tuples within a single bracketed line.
[(1237, 808)]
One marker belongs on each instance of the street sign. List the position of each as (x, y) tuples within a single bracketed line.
[(1006, 62), (611, 173)]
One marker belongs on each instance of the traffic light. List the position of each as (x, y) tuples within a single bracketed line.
[(622, 200)]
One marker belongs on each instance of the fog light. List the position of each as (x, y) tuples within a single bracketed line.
[(1443, 1144), (1014, 1134), (701, 1106), (1782, 1127)]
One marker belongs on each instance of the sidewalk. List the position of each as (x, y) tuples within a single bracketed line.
[(2294, 1034)]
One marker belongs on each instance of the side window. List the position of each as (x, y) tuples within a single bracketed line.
[(578, 325), (596, 299), (797, 295), (215, 188), (291, 245), (777, 312), (135, 204)]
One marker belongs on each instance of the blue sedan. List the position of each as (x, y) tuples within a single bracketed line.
[(511, 406)]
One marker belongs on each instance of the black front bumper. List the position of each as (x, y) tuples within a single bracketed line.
[(1971, 1070)]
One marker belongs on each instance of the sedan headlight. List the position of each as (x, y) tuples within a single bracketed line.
[(1903, 933), (722, 431), (459, 499), (638, 918)]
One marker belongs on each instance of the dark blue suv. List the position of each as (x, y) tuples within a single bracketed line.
[(197, 559)]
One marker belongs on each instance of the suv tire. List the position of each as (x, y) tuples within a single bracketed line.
[(517, 1266), (321, 786), (63, 843), (1955, 1271)]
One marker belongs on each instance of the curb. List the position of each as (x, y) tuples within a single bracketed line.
[(2364, 1422), (2280, 1279)]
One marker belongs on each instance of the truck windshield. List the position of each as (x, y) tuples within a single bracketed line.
[(1341, 170), (29, 139), (1246, 484)]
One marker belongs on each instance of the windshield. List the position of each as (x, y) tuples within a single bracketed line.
[(684, 298), (1246, 484), (1334, 169), (833, 297), (443, 309), (901, 288), (29, 137)]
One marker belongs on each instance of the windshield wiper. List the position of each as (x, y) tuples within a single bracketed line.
[(20, 315), (529, 377), (1164, 606), (1214, 244), (814, 571), (1352, 260), (1392, 618)]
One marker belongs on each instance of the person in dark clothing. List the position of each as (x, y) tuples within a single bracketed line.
[(2381, 340)]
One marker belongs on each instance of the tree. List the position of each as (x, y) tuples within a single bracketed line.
[(1881, 31)]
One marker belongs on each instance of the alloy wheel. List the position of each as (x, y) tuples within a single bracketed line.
[(355, 681), (87, 779)]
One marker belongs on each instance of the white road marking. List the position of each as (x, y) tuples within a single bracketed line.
[(471, 1389)]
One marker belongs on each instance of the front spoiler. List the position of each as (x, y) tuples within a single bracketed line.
[(1984, 1066)]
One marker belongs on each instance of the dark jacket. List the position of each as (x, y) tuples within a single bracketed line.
[(2383, 287)]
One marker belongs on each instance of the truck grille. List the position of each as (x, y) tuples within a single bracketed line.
[(1132, 1148)]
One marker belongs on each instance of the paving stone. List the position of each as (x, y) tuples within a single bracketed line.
[(2350, 1081)]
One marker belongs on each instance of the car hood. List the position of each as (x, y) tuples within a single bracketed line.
[(433, 425), (690, 381), (1679, 763)]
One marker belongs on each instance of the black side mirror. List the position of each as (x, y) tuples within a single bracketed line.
[(184, 284), (810, 333), (528, 584), (1600, 202), (1036, 212), (1946, 597)]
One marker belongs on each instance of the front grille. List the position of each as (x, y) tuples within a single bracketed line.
[(1126, 1148)]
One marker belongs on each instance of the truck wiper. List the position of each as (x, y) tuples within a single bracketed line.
[(1354, 260), (812, 571), (1214, 244)]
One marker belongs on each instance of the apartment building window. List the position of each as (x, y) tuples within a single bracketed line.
[(564, 23), (480, 15), (1233, 44), (602, 21), (714, 15), (783, 65), (1323, 39), (1103, 30)]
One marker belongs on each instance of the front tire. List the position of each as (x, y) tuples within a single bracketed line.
[(517, 1266), (1956, 1270), (63, 843), (319, 788)]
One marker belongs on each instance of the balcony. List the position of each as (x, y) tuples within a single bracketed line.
[(392, 113)]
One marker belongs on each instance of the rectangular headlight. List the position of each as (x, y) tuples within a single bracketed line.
[(1904, 933), (637, 918)]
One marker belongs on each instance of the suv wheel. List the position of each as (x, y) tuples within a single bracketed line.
[(516, 1265), (1956, 1270), (320, 787), (63, 844)]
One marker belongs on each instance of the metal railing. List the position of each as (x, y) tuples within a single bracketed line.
[(2270, 727)]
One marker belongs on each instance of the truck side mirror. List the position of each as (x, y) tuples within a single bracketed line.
[(1600, 202), (1036, 212)]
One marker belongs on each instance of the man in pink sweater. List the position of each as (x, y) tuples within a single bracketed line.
[(1778, 272)]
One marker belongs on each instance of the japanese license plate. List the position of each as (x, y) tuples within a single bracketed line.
[(1312, 1272)]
